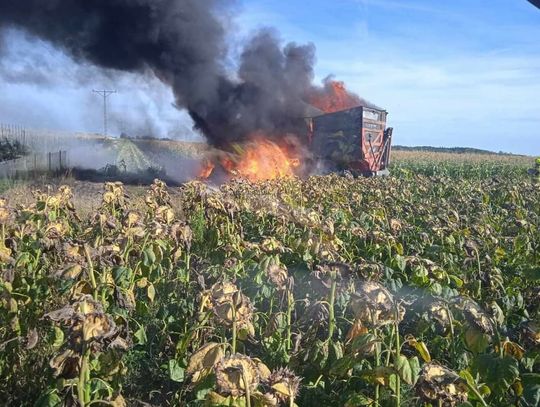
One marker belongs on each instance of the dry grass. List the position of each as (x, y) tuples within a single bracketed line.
[(427, 156), (182, 148)]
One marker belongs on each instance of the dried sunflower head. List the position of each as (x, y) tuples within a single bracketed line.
[(132, 218), (203, 361), (476, 316), (222, 292), (262, 369), (471, 248), (108, 197), (66, 364), (439, 312), (72, 252), (114, 194), (235, 374), (229, 305), (4, 211), (282, 385), (267, 399), (157, 195), (325, 273), (165, 214), (277, 276), (395, 226), (97, 326), (65, 192), (439, 383), (56, 230), (374, 305), (182, 233), (531, 332), (87, 322), (238, 309), (316, 314)]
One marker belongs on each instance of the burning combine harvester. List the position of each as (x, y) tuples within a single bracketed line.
[(354, 139)]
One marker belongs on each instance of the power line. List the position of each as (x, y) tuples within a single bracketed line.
[(105, 94)]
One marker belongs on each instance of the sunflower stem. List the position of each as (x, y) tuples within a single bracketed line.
[(3, 237), (478, 395), (289, 320), (188, 265), (398, 353), (81, 384), (331, 311), (233, 328), (91, 271), (377, 362), (248, 392)]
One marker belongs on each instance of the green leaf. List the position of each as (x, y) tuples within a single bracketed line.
[(380, 375), (465, 374), (532, 274), (483, 389), (122, 276), (531, 389), (400, 261), (140, 335), (149, 258), (58, 338), (243, 333), (23, 259), (498, 373), (422, 349), (341, 367), (404, 369), (393, 382), (337, 350), (204, 387), (476, 340), (176, 372), (414, 363), (49, 399), (458, 282), (151, 292), (358, 399)]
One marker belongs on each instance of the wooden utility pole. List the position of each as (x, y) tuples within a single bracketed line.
[(105, 94)]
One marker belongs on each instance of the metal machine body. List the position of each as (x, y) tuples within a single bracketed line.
[(354, 139)]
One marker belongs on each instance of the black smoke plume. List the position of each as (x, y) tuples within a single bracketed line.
[(182, 42)]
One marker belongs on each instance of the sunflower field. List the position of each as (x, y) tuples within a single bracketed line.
[(420, 289)]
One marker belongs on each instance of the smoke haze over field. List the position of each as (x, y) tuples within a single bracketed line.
[(181, 42), (43, 88)]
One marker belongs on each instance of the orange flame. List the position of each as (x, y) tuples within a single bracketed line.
[(257, 160), (334, 97), (207, 167), (260, 159)]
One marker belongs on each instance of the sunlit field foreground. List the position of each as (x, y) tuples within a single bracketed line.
[(419, 289)]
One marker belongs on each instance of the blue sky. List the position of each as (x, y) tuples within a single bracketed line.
[(450, 73)]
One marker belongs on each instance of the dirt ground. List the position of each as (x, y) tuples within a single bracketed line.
[(86, 195)]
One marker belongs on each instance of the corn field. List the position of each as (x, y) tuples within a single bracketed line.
[(420, 289)]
